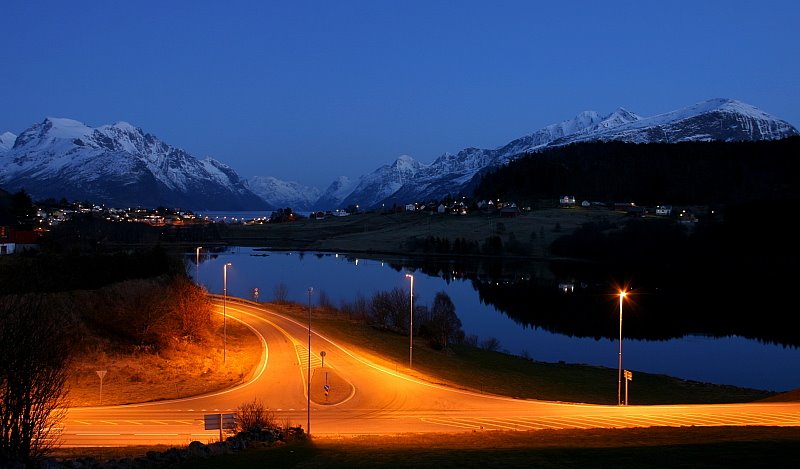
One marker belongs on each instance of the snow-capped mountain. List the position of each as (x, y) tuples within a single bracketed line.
[(284, 193), (383, 182), (715, 119), (118, 165), (335, 194), (7, 140)]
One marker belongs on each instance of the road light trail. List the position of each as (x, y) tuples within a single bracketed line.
[(383, 400)]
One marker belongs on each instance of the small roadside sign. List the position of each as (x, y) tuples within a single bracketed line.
[(219, 422)]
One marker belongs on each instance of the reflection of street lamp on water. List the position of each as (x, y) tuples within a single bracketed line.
[(224, 312), (622, 295), (411, 322), (197, 264), (308, 376)]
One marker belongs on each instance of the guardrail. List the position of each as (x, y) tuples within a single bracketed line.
[(234, 299)]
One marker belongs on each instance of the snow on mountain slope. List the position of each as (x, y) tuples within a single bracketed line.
[(335, 194), (7, 140), (284, 194), (118, 165), (383, 182), (714, 119)]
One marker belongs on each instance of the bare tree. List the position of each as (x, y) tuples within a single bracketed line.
[(324, 301), (390, 309), (281, 292), (491, 344), (444, 323), (35, 346), (357, 309), (253, 417)]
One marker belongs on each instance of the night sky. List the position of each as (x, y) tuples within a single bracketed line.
[(311, 90)]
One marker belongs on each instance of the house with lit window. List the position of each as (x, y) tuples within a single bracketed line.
[(7, 225)]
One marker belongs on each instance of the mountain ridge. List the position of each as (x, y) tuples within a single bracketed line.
[(714, 119), (119, 165)]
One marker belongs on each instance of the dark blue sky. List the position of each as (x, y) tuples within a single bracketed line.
[(308, 91)]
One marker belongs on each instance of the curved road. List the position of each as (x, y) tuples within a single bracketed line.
[(376, 400)]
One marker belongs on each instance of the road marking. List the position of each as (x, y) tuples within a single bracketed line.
[(98, 434), (608, 421), (186, 422), (155, 434), (82, 422), (449, 423), (493, 423), (669, 421), (526, 424), (108, 422), (564, 422), (133, 422), (158, 422)]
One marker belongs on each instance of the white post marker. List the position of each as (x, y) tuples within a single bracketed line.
[(101, 374)]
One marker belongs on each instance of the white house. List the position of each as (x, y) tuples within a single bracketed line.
[(665, 210)]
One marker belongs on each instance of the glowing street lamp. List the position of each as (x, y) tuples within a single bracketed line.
[(622, 295), (411, 321), (224, 312), (308, 375)]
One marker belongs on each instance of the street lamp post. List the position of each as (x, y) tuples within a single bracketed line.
[(308, 375), (619, 382), (411, 322), (224, 312)]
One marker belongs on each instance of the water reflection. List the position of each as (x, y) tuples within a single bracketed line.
[(547, 311), (580, 300)]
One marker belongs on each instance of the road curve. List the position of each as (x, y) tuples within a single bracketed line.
[(377, 400)]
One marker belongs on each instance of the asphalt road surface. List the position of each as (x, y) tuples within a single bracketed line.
[(368, 398)]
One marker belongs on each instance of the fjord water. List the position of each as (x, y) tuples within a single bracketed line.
[(730, 360)]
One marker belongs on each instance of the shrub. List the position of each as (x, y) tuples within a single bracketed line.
[(253, 417)]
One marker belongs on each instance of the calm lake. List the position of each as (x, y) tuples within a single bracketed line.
[(728, 359)]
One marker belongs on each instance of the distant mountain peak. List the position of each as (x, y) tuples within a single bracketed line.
[(118, 165), (714, 119), (280, 193)]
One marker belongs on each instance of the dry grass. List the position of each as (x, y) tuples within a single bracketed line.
[(184, 370)]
